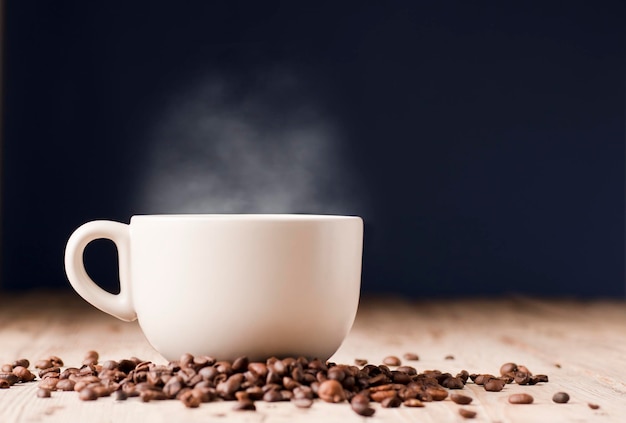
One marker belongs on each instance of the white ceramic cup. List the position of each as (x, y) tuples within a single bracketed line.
[(230, 285)]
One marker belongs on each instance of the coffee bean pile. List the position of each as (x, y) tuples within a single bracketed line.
[(201, 379)]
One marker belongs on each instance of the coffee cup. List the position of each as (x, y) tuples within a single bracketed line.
[(230, 285)]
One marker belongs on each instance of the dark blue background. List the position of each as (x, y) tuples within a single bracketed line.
[(489, 139)]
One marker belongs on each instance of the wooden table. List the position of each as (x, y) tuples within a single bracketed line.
[(581, 346)]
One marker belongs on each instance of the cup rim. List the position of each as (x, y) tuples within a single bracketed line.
[(271, 217)]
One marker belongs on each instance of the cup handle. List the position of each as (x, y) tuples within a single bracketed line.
[(119, 305)]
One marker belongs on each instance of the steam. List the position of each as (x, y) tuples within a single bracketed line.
[(263, 147)]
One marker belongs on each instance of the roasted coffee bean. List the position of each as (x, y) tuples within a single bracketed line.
[(442, 376), (49, 383), (145, 366), (331, 391), (406, 393), (244, 406), (413, 402), (560, 397), (291, 363), (272, 396), (136, 360), (508, 378), (277, 366), (320, 377), (103, 391), (83, 382), (391, 402), (302, 402), (303, 392), (273, 377), (200, 362), (494, 385), (126, 366), (289, 383), (55, 371), (521, 399), (482, 378), (208, 373), (4, 384), (11, 378), (522, 378), (88, 370), (424, 396), (317, 365), (449, 357), (282, 366), (360, 361), (6, 368), (240, 364), (43, 364), (453, 383), (114, 375), (88, 394), (336, 373), (437, 394), (43, 393), (241, 396), (380, 396), (271, 387), (385, 370), (461, 399), (360, 404), (206, 393), (190, 399), (224, 367), (379, 379), (185, 360), (65, 385), (409, 370), (172, 387), (507, 368), (411, 356), (361, 399), (56, 361), (302, 362), (593, 406), (228, 388), (255, 393), (297, 374), (400, 377), (467, 414), (463, 375), (21, 362), (120, 395), (91, 357), (65, 374), (258, 368), (80, 385), (286, 395), (392, 360), (23, 374), (538, 378), (110, 365), (182, 392), (148, 395), (387, 387)]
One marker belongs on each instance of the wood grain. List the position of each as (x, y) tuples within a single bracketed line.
[(581, 346)]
